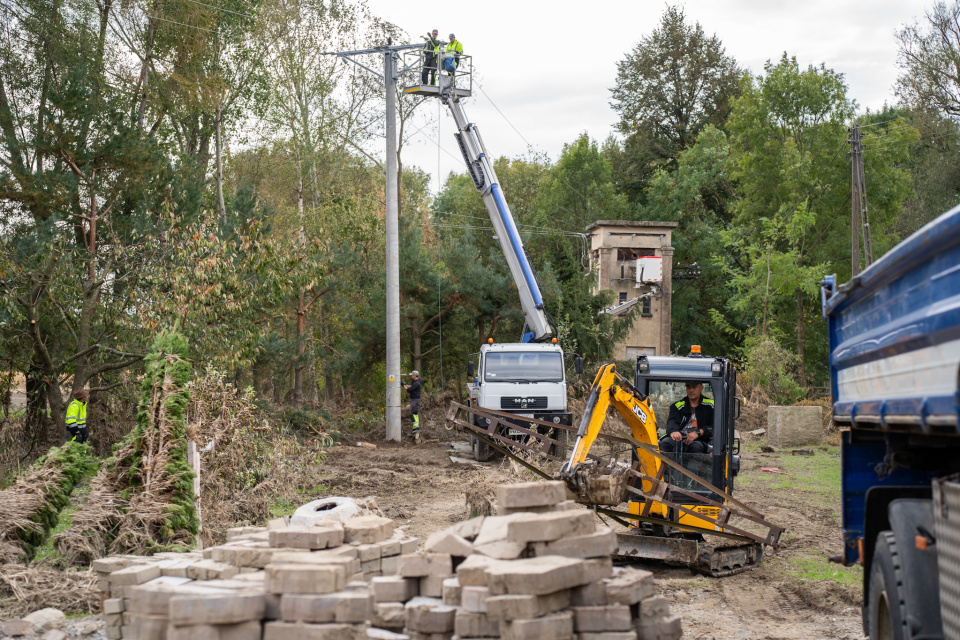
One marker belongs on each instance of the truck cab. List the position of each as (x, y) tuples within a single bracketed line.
[(527, 379)]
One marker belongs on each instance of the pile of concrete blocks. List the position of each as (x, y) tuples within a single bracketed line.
[(534, 573), (275, 582)]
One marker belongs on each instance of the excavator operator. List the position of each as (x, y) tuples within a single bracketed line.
[(690, 424)]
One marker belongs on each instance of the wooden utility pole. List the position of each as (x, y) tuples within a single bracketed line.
[(859, 216)]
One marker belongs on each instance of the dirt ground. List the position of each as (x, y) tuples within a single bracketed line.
[(795, 593)]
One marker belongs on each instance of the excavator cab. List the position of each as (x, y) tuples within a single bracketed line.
[(663, 380)]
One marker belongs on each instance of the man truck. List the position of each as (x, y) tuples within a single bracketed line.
[(894, 337)]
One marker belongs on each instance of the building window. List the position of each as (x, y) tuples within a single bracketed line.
[(623, 297), (633, 254), (646, 308)]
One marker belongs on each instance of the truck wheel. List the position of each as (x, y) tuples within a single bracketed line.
[(481, 450), (886, 613), (563, 437)]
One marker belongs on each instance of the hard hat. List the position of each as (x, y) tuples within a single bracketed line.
[(452, 36), (415, 373)]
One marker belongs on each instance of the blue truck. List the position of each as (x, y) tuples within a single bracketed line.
[(894, 334)]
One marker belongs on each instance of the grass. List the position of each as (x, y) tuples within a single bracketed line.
[(48, 551), (818, 474), (282, 507), (819, 569)]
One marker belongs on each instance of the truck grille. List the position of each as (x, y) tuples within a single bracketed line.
[(523, 403)]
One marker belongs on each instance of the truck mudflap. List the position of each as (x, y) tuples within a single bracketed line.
[(716, 560)]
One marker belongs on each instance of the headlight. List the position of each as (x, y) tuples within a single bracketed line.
[(716, 368)]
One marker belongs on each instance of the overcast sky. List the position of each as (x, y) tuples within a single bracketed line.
[(549, 66)]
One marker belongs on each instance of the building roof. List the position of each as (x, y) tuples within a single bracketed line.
[(631, 223)]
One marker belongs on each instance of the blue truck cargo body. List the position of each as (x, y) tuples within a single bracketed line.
[(894, 337)]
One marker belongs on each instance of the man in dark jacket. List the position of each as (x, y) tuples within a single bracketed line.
[(431, 51), (690, 424), (413, 392)]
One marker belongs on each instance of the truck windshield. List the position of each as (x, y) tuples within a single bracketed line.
[(522, 366)]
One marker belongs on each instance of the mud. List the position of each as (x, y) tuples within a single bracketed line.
[(424, 490)]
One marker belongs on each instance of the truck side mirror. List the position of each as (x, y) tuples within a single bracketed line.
[(469, 368), (578, 364)]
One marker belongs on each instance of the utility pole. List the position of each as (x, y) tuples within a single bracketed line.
[(859, 216), (390, 77)]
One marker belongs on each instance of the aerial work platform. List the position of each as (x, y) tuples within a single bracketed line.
[(451, 74)]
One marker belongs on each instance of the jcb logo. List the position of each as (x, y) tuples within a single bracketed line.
[(640, 414)]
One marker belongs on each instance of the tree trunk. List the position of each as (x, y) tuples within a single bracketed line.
[(145, 67), (801, 356), (766, 297), (36, 402), (417, 346), (298, 365), (219, 152), (329, 384)]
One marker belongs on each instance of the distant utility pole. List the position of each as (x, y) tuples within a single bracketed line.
[(859, 216), (390, 76)]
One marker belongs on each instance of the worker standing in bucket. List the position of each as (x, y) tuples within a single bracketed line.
[(431, 57), (413, 392), (453, 51)]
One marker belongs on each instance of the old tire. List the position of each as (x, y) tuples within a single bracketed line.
[(481, 450), (886, 606)]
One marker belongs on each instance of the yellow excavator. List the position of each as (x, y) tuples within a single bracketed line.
[(679, 505)]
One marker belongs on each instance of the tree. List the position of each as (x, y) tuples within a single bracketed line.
[(675, 82), (929, 57)]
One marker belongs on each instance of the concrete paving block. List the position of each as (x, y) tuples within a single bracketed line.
[(475, 625), (367, 529), (271, 606), (468, 529), (389, 615), (113, 633), (653, 607), (54, 634), (450, 592), (660, 629), (217, 608), (474, 599), (602, 542), (108, 564), (303, 631), (556, 626), (629, 587), (505, 608), (114, 605), (346, 550), (349, 562), (493, 529), (112, 619), (368, 552), (607, 618), (373, 566), (472, 572), (544, 527), (430, 615), (390, 547), (447, 542), (394, 588), (422, 564), (249, 574), (409, 545), (388, 566), (308, 608), (153, 597), (304, 537), (589, 595), (251, 630), (416, 635), (608, 635), (794, 426), (176, 568), (531, 494), (307, 578), (354, 607), (277, 523), (501, 549), (145, 627), (432, 586), (137, 574), (540, 576), (210, 570)]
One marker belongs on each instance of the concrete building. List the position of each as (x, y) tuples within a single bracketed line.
[(615, 246)]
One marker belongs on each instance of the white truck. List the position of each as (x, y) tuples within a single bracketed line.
[(526, 378)]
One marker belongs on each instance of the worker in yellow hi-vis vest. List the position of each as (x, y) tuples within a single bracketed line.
[(77, 416), (452, 53)]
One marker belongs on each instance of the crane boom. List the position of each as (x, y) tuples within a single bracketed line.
[(480, 168)]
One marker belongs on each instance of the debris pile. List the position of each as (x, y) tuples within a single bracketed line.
[(541, 570)]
